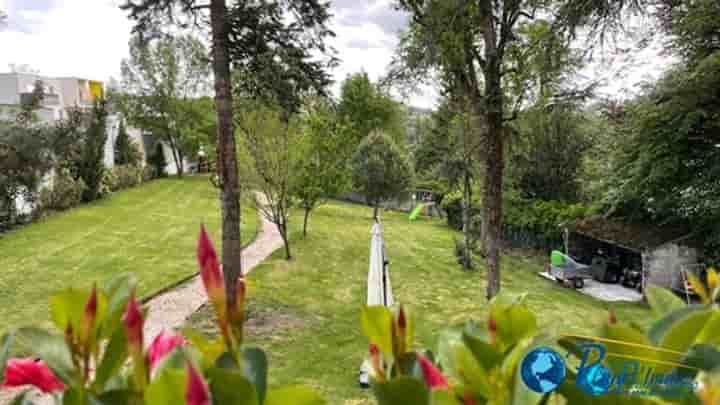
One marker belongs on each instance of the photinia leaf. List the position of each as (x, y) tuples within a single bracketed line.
[(229, 386), (168, 388), (662, 301), (377, 326), (256, 367), (402, 391), (114, 357)]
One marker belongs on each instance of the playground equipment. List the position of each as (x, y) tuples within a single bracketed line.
[(416, 211)]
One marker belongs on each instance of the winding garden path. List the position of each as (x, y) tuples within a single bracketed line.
[(170, 310)]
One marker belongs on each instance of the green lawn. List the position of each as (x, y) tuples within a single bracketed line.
[(305, 313), (149, 230)]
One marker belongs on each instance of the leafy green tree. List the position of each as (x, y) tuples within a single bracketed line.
[(546, 160), (694, 27), (668, 161), (268, 44), (366, 108), (320, 171), (381, 170), (126, 152), (271, 139), (479, 49), (159, 81)]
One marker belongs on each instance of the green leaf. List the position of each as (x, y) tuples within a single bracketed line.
[(115, 397), (485, 353), (514, 323), (256, 367), (660, 327), (377, 326), (118, 291), (448, 340), (5, 344), (50, 348), (711, 332), (409, 365), (293, 395), (74, 396), (67, 307), (176, 359), (639, 346), (703, 357), (211, 350), (401, 391), (230, 387), (443, 397), (682, 335), (113, 358), (663, 301), (471, 372), (227, 360), (167, 388)]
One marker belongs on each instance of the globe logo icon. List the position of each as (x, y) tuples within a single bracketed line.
[(595, 380), (543, 370)]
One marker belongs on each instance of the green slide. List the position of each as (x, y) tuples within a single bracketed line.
[(416, 211)]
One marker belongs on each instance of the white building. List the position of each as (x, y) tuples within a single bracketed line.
[(61, 94)]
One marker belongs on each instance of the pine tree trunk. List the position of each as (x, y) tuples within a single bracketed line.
[(375, 211), (226, 154), (492, 112), (492, 202)]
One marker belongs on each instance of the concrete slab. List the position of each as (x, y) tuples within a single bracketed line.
[(602, 291)]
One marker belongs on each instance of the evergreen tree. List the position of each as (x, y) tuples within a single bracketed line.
[(126, 153)]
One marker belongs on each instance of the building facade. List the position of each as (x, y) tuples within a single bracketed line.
[(60, 94)]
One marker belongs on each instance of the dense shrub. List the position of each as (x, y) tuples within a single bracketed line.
[(127, 176), (108, 183), (65, 192), (452, 204)]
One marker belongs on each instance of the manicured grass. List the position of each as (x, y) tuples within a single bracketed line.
[(306, 311), (149, 230)]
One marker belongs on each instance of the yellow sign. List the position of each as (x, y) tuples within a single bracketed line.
[(96, 90)]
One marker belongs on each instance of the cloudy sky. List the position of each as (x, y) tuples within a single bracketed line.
[(88, 38)]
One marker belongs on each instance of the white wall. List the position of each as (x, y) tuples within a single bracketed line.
[(9, 89)]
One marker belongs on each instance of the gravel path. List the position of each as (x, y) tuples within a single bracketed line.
[(170, 310)]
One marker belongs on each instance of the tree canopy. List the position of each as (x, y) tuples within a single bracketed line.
[(365, 107)]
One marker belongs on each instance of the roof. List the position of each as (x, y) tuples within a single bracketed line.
[(633, 236)]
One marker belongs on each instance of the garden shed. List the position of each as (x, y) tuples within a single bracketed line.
[(662, 253)]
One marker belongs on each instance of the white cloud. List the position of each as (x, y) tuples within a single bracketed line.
[(84, 38), (88, 38)]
